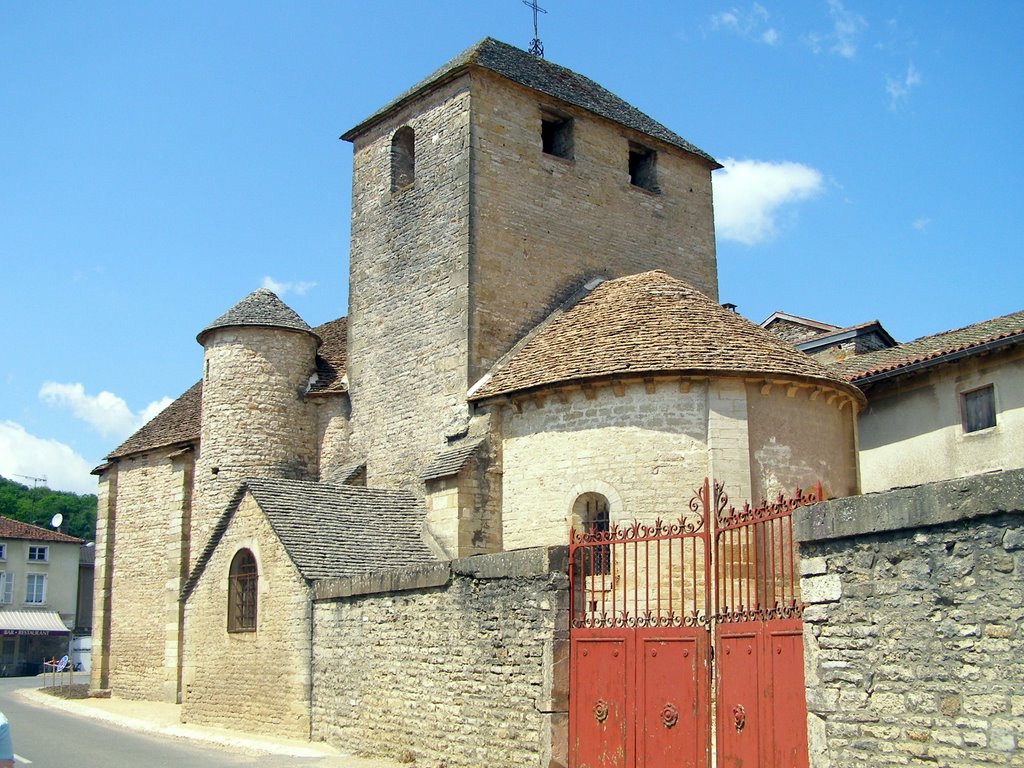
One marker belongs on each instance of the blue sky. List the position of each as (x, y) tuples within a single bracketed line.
[(159, 161)]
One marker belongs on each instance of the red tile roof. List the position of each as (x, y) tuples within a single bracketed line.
[(644, 324), (934, 349), (15, 529)]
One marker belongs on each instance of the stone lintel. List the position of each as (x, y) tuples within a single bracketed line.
[(919, 506)]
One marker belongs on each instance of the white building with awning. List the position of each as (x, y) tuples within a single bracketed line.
[(38, 595)]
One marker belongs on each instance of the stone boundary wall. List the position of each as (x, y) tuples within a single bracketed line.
[(914, 633), (461, 664)]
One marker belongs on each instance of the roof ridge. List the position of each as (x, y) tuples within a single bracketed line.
[(968, 327), (932, 348), (542, 76)]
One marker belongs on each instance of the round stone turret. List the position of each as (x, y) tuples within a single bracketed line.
[(259, 358)]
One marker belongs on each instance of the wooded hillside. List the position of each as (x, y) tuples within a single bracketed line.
[(37, 506)]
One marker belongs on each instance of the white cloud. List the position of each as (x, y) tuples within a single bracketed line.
[(921, 223), (750, 193), (24, 454), (751, 24), (899, 87), (107, 413), (844, 38), (298, 288)]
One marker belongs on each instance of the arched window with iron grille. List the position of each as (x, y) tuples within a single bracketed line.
[(591, 509), (243, 580)]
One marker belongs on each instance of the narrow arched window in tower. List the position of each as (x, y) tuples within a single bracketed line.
[(243, 580), (591, 509), (403, 158)]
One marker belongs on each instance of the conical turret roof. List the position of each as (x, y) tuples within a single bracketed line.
[(263, 308), (642, 325)]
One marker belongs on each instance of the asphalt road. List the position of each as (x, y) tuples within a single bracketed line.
[(47, 737)]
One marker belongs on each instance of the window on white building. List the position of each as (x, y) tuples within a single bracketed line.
[(35, 588), (979, 408), (3, 551), (6, 587), (38, 554)]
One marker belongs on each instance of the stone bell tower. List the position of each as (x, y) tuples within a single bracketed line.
[(481, 198)]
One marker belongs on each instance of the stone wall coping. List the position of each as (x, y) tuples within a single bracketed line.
[(919, 506), (516, 564)]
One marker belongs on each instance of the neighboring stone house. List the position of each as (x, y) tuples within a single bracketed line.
[(38, 595), (533, 344)]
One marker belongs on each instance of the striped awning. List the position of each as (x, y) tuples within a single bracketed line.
[(31, 623)]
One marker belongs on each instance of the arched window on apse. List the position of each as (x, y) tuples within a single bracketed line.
[(591, 509), (243, 580), (403, 158)]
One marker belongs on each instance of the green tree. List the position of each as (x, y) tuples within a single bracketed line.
[(37, 506)]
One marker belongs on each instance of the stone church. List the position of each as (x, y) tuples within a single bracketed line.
[(533, 344)]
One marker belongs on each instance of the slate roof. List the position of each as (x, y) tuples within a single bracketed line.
[(540, 75), (178, 423), (839, 334), (15, 529), (813, 325), (452, 459), (331, 530), (346, 475), (645, 324), (331, 357), (933, 350), (261, 308)]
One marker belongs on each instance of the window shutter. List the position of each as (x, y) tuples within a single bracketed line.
[(7, 583)]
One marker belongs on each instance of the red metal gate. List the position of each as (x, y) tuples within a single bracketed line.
[(652, 604)]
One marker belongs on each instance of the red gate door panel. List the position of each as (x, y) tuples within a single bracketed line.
[(672, 704), (785, 706), (740, 691), (600, 709)]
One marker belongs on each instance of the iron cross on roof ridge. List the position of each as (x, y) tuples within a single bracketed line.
[(536, 46)]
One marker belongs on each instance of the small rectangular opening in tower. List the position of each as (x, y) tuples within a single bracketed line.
[(556, 135), (642, 167)]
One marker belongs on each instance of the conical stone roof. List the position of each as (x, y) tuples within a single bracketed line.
[(259, 308), (648, 324)]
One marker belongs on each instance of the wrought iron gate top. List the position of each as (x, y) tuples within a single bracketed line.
[(714, 561)]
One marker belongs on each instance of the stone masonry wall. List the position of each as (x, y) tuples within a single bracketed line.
[(799, 436), (462, 665), (106, 520), (256, 681), (914, 636), (408, 290), (151, 520), (644, 452), (333, 426), (543, 225), (646, 447)]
